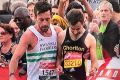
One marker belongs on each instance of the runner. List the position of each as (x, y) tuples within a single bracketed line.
[(40, 41), (73, 43)]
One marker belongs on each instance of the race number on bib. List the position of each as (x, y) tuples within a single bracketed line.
[(47, 72), (72, 63)]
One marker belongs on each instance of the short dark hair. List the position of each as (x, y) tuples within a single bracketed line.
[(41, 7), (75, 5), (74, 16), (9, 30)]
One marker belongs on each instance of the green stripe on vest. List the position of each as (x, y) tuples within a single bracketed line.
[(41, 53), (36, 60), (35, 57)]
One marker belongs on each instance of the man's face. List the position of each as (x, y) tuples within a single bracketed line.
[(31, 11), (76, 29), (54, 11), (43, 21), (21, 21), (105, 13)]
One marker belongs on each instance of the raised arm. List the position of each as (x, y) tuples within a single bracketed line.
[(61, 7), (88, 8)]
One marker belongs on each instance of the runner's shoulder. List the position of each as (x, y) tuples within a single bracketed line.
[(58, 29)]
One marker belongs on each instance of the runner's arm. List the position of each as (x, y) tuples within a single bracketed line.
[(59, 51), (93, 55), (58, 29), (19, 51)]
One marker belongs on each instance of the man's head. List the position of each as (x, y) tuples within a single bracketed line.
[(74, 16), (6, 33), (41, 7), (55, 10), (30, 7), (43, 15), (74, 5), (105, 11), (22, 18), (76, 21)]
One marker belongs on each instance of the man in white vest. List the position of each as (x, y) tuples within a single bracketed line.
[(40, 41)]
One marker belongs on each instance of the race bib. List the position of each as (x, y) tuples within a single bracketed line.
[(72, 63), (72, 60), (47, 72), (47, 69)]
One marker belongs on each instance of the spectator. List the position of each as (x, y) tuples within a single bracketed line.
[(23, 21), (55, 10), (107, 30), (22, 18), (7, 37), (57, 20), (30, 7), (16, 28)]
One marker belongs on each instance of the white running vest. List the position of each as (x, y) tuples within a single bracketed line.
[(41, 59)]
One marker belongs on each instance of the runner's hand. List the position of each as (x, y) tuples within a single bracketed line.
[(59, 70), (93, 71), (86, 55)]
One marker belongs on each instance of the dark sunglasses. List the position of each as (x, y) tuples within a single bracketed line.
[(3, 33)]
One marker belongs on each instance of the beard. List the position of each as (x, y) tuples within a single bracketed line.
[(44, 28)]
